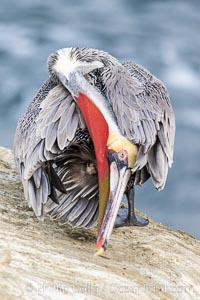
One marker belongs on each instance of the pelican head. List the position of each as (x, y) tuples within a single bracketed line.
[(115, 154)]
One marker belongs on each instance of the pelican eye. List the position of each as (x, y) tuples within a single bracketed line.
[(122, 155)]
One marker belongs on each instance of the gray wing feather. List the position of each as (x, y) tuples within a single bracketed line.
[(46, 128), (37, 176), (144, 115), (51, 135)]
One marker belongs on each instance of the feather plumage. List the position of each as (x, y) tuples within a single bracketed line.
[(52, 132)]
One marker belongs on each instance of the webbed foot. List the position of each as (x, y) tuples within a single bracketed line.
[(124, 219)]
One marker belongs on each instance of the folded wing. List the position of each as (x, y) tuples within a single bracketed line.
[(145, 116)]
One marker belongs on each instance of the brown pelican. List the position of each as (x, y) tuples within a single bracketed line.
[(96, 128)]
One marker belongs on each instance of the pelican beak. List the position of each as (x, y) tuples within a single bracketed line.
[(119, 176), (114, 167)]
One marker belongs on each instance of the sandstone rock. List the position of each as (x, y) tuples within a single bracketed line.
[(43, 260)]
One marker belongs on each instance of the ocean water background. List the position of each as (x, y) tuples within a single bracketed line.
[(163, 36)]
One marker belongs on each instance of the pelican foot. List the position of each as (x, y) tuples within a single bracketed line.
[(137, 220), (133, 220)]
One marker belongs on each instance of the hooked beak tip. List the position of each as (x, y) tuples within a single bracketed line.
[(101, 248), (100, 252)]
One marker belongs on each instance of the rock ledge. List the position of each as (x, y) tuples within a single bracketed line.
[(42, 260)]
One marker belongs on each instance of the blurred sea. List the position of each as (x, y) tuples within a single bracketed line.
[(163, 36)]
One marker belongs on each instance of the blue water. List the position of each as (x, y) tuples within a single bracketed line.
[(163, 36)]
